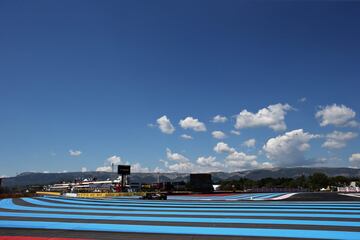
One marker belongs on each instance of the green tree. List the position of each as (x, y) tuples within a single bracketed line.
[(318, 180)]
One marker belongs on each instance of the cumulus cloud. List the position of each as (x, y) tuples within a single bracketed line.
[(250, 143), (113, 160), (208, 161), (222, 147), (235, 160), (337, 139), (75, 153), (116, 160), (137, 168), (355, 157), (177, 162), (241, 160), (208, 164), (337, 115), (219, 119), (165, 125), (303, 99), (235, 132), (183, 167), (104, 169), (175, 156), (83, 169), (218, 134), (187, 137), (158, 170), (192, 123), (272, 116), (288, 149), (266, 165)]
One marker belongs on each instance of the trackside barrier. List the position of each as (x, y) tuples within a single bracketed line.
[(49, 193), (15, 195), (70, 194), (104, 195)]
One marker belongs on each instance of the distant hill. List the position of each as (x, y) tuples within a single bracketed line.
[(29, 178)]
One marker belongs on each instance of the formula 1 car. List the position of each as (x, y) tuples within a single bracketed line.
[(155, 196)]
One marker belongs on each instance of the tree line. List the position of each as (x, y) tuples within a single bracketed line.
[(311, 183)]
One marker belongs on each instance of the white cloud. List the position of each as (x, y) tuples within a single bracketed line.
[(104, 169), (288, 149), (116, 160), (241, 160), (303, 99), (222, 147), (137, 168), (272, 116), (250, 143), (75, 153), (158, 170), (337, 115), (336, 139), (175, 156), (355, 157), (267, 165), (187, 137), (208, 162), (235, 132), (192, 123), (84, 169), (181, 167), (219, 119), (218, 134), (235, 160), (182, 163), (165, 125)]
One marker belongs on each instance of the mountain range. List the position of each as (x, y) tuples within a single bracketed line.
[(33, 178)]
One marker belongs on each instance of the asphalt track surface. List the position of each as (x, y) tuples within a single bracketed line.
[(239, 216)]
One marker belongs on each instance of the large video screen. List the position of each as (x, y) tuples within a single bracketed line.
[(123, 169)]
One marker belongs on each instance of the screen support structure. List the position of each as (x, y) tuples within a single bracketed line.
[(124, 171), (122, 182)]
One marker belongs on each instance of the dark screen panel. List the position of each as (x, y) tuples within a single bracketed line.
[(123, 169), (201, 182)]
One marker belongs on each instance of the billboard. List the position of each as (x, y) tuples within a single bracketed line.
[(201, 182), (124, 169)]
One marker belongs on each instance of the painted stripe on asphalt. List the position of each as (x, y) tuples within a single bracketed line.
[(184, 219), (250, 232), (261, 205), (52, 204), (8, 204), (317, 203)]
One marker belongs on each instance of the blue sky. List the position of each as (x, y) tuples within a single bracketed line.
[(93, 77)]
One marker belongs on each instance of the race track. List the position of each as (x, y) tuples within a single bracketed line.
[(181, 218)]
